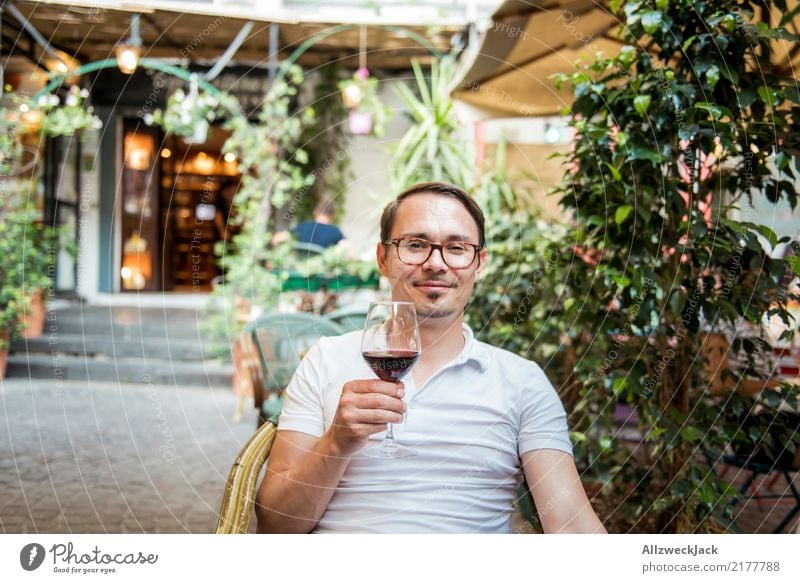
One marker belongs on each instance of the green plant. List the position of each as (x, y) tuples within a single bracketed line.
[(64, 117), (190, 115), (10, 148), (27, 256), (335, 262), (431, 148), (270, 160), (672, 135), (367, 87)]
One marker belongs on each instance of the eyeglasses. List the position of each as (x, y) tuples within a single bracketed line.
[(457, 255)]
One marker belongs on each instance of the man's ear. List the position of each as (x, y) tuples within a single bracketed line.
[(483, 258), (380, 254)]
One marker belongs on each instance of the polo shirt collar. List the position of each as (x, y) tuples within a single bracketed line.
[(473, 350)]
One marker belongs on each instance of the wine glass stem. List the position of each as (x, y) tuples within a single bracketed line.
[(389, 434)]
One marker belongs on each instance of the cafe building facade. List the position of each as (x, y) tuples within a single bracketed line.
[(146, 209)]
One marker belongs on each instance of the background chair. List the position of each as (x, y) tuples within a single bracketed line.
[(349, 318), (771, 451), (240, 492), (281, 341)]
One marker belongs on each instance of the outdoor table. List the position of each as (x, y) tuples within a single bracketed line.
[(296, 281)]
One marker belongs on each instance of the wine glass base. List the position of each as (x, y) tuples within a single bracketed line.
[(389, 450)]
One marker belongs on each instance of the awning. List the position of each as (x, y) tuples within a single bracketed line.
[(90, 31), (527, 41)]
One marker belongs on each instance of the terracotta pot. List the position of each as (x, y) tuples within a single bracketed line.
[(4, 340), (239, 376), (33, 318)]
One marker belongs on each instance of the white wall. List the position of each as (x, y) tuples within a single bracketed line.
[(371, 187)]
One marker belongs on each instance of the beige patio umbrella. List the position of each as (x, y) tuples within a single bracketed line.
[(527, 41)]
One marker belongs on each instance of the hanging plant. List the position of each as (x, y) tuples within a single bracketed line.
[(368, 115), (64, 118), (191, 114), (10, 148)]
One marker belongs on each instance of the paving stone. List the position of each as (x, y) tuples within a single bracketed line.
[(114, 458)]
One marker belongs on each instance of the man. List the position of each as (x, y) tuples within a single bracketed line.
[(321, 231), (476, 414)]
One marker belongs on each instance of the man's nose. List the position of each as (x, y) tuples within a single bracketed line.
[(435, 261)]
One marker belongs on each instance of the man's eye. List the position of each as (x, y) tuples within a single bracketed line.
[(457, 248), (416, 245)]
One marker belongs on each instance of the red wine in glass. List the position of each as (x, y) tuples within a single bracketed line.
[(391, 346), (391, 365)]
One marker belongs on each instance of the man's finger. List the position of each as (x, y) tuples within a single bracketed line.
[(375, 401), (376, 386), (366, 428)]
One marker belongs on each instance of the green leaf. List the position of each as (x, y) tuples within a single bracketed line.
[(688, 42), (622, 281), (768, 95), (577, 436), (641, 103), (642, 153), (712, 76), (626, 55), (595, 220), (789, 16), (792, 92), (783, 34), (794, 263), (663, 503), (622, 213), (746, 98), (689, 433), (764, 231), (730, 74), (614, 172), (712, 108), (651, 21)]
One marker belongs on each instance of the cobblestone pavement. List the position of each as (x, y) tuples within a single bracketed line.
[(114, 458)]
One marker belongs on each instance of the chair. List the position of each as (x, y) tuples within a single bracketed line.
[(349, 318), (771, 456), (237, 503), (307, 250), (754, 469), (281, 341)]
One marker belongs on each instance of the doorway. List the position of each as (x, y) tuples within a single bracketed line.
[(177, 200)]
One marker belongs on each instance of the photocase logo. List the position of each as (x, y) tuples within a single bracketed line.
[(31, 556)]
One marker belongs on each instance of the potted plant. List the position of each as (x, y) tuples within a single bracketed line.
[(431, 148), (28, 248), (11, 293), (39, 251)]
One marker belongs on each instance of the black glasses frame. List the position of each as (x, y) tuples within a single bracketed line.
[(434, 247)]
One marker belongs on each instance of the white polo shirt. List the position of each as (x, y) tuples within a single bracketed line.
[(470, 423)]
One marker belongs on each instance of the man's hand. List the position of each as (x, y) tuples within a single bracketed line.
[(365, 408)]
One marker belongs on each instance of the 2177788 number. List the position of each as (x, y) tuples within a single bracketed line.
[(754, 566)]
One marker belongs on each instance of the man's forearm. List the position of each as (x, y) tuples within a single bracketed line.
[(293, 501)]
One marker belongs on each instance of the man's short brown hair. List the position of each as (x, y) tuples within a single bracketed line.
[(326, 208), (440, 188)]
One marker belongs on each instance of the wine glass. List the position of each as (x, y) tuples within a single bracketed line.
[(391, 346)]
